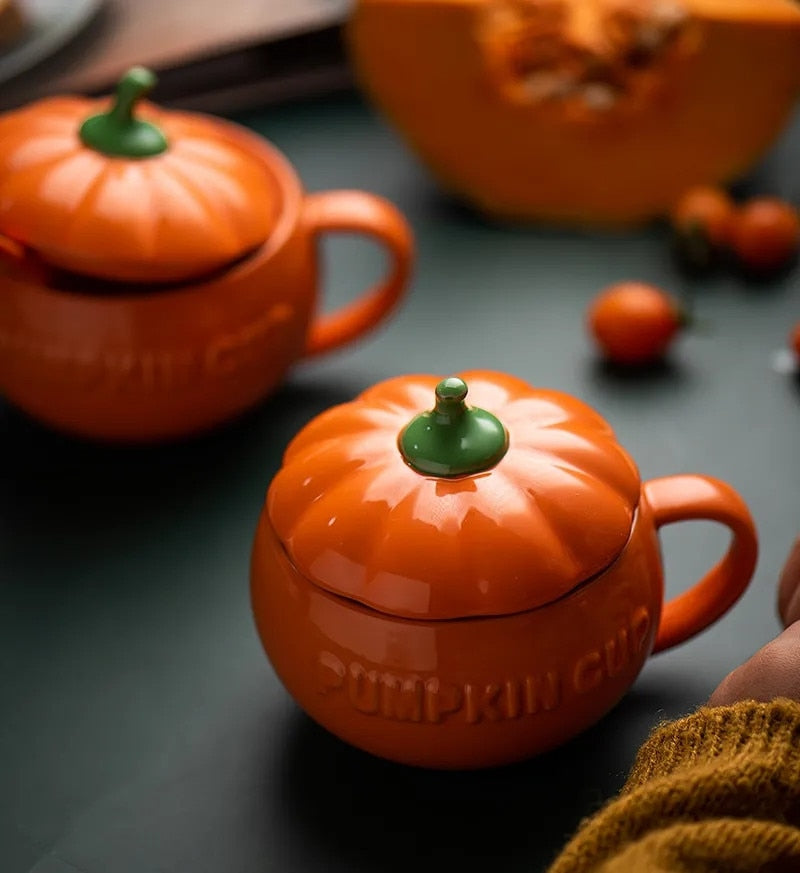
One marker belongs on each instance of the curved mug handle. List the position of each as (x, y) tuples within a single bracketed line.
[(359, 212), (692, 497)]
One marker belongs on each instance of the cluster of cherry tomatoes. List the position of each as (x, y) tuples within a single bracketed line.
[(762, 235), (634, 323)]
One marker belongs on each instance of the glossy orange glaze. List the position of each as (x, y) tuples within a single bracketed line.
[(347, 505), (475, 620), (207, 200), (485, 691), (139, 363)]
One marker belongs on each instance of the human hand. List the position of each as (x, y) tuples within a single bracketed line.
[(774, 670)]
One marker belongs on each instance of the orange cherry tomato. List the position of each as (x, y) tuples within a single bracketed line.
[(707, 210), (766, 234), (794, 341), (634, 323)]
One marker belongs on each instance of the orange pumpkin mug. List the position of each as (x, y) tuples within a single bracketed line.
[(470, 585), (159, 270)]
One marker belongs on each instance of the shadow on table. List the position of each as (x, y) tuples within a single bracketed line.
[(363, 813), (663, 372), (795, 382), (651, 383), (52, 479)]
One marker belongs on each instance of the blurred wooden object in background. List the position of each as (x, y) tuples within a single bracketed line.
[(211, 55)]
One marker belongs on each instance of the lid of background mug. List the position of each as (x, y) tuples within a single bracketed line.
[(122, 190), (420, 501)]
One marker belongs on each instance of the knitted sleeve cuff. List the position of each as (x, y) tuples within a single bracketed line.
[(709, 785), (766, 731)]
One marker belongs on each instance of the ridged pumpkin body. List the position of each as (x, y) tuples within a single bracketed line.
[(198, 206), (581, 111), (359, 521)]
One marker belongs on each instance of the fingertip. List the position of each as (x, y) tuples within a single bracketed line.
[(791, 614), (772, 672), (789, 587), (721, 695)]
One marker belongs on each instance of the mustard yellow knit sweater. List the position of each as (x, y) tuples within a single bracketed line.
[(715, 792)]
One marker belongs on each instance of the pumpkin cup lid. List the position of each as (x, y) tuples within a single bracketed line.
[(475, 495), (122, 190)]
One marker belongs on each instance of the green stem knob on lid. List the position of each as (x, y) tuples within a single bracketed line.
[(118, 132), (453, 439)]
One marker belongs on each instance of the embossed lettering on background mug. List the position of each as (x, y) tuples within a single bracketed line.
[(159, 270), (473, 585)]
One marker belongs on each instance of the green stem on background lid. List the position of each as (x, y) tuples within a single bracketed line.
[(117, 132), (453, 439)]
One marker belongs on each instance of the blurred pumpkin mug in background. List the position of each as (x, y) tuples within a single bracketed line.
[(460, 584), (159, 269)]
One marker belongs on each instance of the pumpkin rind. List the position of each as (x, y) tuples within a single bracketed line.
[(357, 520), (586, 112), (192, 209)]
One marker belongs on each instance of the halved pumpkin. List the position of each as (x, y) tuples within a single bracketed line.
[(581, 111)]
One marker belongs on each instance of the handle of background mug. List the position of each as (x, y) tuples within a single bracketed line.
[(359, 212), (691, 497)]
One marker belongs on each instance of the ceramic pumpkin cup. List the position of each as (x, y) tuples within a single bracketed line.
[(159, 269), (457, 581)]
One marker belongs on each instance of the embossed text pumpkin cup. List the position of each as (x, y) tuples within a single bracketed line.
[(458, 581), (158, 270)]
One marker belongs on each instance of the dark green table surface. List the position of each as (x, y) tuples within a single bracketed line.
[(142, 729)]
